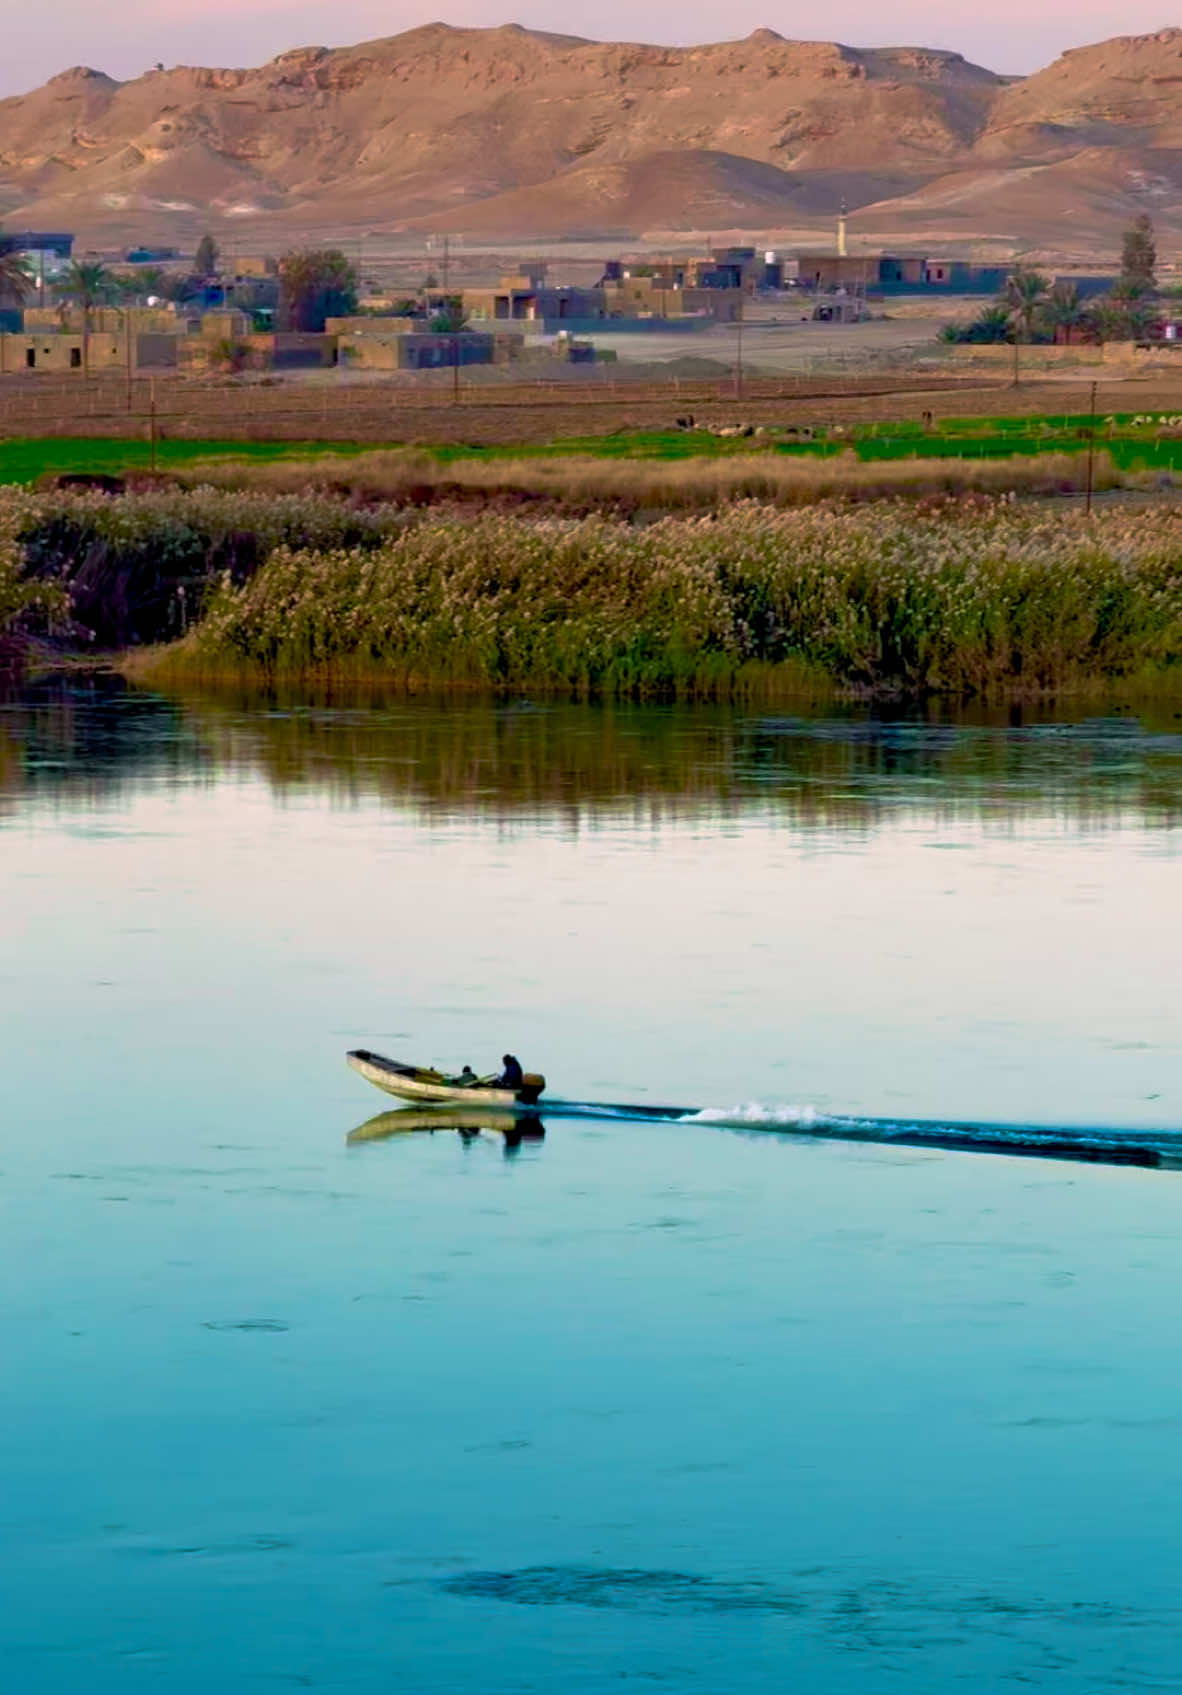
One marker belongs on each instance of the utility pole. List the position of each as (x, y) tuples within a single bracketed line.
[(739, 351), (446, 260)]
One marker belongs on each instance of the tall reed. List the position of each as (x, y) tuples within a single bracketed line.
[(988, 598), (25, 603)]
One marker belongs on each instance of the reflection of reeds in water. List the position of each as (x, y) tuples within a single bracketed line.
[(571, 764), (12, 764), (88, 737), (95, 742)]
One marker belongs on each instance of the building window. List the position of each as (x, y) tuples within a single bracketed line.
[(31, 357), (75, 358)]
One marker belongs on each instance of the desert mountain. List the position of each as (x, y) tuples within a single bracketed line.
[(508, 132)]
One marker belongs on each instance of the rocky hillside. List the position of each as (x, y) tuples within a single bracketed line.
[(508, 132)]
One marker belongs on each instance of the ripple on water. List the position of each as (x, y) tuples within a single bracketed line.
[(621, 1587), (271, 1325), (263, 1543), (849, 1611)]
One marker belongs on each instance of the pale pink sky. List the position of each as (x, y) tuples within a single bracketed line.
[(125, 37)]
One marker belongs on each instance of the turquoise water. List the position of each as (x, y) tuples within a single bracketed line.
[(699, 1406)]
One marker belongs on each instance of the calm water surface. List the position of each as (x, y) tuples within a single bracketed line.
[(634, 1405)]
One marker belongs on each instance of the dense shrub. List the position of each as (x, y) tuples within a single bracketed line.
[(135, 568)]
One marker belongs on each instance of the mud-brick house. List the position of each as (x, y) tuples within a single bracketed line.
[(104, 320), (426, 350), (660, 297), (527, 297), (896, 273), (64, 351)]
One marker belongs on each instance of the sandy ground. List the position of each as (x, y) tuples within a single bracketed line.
[(779, 341)]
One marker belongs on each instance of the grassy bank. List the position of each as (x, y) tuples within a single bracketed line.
[(987, 599)]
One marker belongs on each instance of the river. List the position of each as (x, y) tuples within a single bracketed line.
[(733, 1402)]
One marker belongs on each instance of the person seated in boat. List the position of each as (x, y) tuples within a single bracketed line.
[(511, 1076), (467, 1076)]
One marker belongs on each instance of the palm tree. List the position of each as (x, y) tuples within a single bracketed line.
[(1121, 315), (1108, 320), (15, 281), (1024, 297), (992, 324), (87, 284), (1064, 310), (1130, 288), (144, 281), (1135, 299)]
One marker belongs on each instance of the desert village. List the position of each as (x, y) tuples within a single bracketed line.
[(237, 318)]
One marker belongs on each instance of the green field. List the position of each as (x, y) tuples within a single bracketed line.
[(23, 460), (1132, 445), (1134, 441)]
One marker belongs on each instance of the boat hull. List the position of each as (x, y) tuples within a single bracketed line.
[(420, 1083)]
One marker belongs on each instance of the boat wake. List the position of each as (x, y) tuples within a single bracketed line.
[(1095, 1144)]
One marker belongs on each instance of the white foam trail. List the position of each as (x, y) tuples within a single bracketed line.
[(1082, 1142), (784, 1116), (1099, 1143)]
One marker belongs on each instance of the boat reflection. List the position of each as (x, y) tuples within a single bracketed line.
[(514, 1128)]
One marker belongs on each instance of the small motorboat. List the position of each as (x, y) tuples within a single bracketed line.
[(424, 1084)]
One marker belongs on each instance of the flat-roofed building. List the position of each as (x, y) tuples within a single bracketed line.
[(51, 242), (658, 296), (527, 297), (896, 273), (109, 320), (428, 350), (64, 351)]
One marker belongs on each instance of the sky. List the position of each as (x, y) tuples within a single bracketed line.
[(126, 37)]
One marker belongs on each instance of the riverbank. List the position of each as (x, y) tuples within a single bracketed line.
[(969, 596)]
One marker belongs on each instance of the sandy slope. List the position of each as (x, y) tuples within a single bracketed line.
[(505, 131)]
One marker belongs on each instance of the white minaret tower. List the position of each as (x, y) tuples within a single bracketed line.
[(841, 217)]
